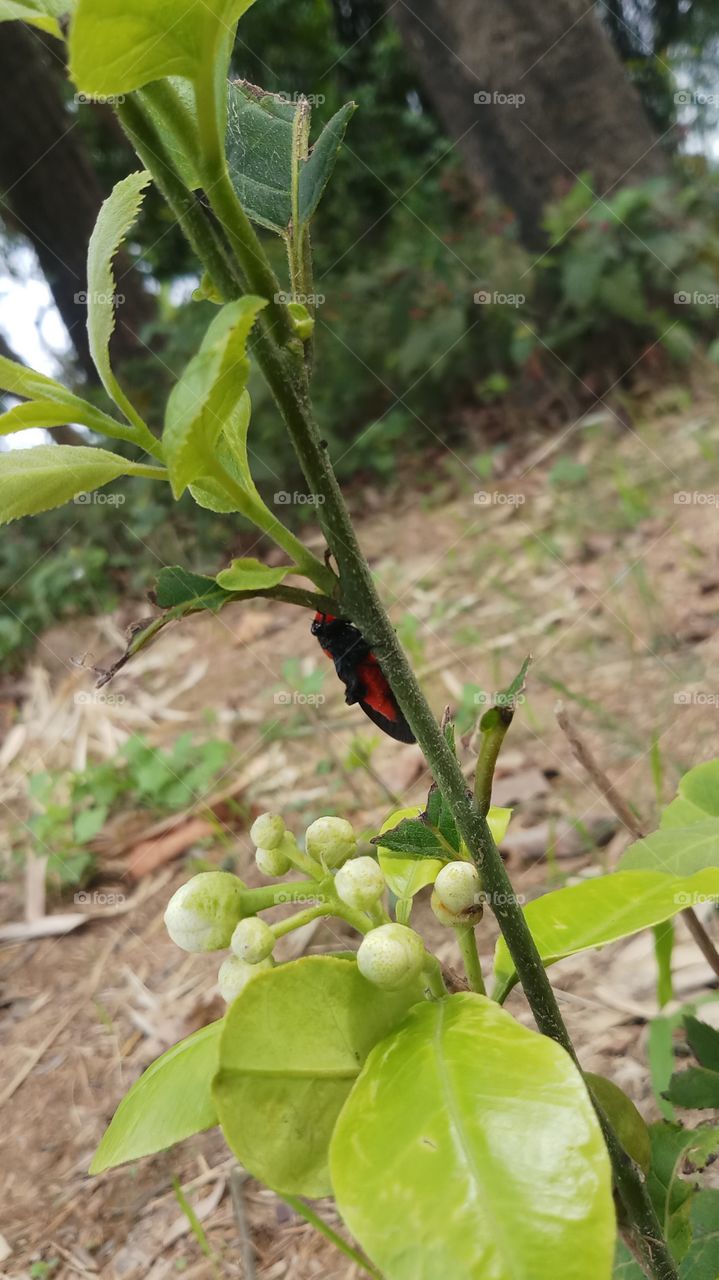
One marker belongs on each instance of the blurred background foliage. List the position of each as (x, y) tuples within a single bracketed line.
[(409, 244)]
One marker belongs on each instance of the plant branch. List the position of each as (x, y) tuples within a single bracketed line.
[(286, 377)]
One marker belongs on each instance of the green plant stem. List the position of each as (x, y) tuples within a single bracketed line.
[(299, 919), (286, 379), (467, 940), (489, 748), (270, 895), (432, 974), (330, 1234), (251, 506)]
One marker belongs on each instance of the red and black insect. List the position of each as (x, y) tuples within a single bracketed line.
[(361, 674)]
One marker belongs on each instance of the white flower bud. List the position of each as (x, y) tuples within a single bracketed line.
[(202, 914), (443, 914), (458, 886), (274, 862), (360, 883), (253, 940), (267, 831), (235, 974), (331, 841), (391, 956)]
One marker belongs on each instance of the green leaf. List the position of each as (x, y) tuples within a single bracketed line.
[(663, 950), (33, 480), (261, 131), (316, 170), (676, 1151), (703, 1041), (624, 1118), (294, 1042), (698, 1087), (603, 910), (28, 383), (660, 1052), (209, 395), (116, 216), (42, 14), (702, 1260), (170, 1101), (678, 851), (120, 45), (248, 574), (405, 876), (625, 1268), (469, 1148), (177, 586), (231, 451), (698, 797), (53, 413)]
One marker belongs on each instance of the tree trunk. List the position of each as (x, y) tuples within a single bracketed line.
[(50, 192), (534, 96)]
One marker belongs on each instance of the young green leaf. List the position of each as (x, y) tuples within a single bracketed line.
[(469, 1148), (660, 1054), (114, 220), (54, 413), (28, 384), (248, 574), (120, 45), (170, 1101), (294, 1042), (407, 873), (209, 398), (260, 140), (603, 910), (33, 480)]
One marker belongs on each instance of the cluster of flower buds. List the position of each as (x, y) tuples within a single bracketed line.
[(215, 910), (457, 894)]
